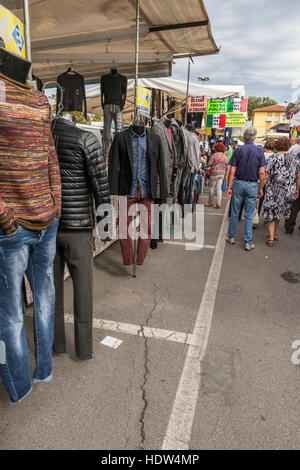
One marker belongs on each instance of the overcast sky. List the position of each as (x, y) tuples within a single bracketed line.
[(260, 47)]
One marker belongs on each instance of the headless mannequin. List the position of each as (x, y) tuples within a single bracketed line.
[(113, 98)]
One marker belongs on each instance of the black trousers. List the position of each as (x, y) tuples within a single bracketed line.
[(76, 249), (291, 221)]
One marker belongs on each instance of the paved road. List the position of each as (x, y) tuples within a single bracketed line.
[(225, 339)]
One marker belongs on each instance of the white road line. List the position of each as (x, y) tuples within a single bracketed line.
[(138, 330), (189, 244), (182, 416), (214, 213)]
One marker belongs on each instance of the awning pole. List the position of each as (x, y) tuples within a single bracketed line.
[(187, 90), (27, 34), (137, 48)]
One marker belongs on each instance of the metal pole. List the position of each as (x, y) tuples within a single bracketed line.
[(27, 34), (137, 49), (187, 90)]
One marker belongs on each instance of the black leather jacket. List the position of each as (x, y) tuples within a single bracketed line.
[(83, 175)]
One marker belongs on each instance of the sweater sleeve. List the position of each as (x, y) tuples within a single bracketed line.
[(8, 221), (54, 174)]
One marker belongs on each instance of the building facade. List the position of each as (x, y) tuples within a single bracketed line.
[(265, 118)]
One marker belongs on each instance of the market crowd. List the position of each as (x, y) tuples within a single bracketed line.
[(53, 176)]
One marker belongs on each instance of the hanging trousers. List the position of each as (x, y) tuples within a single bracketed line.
[(145, 206), (111, 113), (75, 247)]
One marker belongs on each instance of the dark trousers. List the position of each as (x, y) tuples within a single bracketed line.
[(291, 221), (145, 209), (76, 249)]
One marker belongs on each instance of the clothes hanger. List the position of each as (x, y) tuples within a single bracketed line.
[(70, 71)]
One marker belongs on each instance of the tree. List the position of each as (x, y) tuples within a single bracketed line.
[(255, 102)]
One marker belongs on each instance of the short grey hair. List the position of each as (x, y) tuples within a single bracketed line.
[(250, 134)]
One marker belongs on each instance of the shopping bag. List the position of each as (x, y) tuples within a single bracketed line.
[(224, 186)]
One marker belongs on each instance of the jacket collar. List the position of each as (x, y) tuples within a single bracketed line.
[(128, 140)]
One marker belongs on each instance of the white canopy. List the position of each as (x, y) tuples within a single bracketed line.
[(95, 35), (174, 88)]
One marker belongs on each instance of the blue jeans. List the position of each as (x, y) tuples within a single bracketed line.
[(243, 191), (31, 252)]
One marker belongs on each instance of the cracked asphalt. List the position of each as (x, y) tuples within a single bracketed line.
[(122, 399)]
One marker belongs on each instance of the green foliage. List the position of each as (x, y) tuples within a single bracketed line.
[(80, 118), (255, 102)]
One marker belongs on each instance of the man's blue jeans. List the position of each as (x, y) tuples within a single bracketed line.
[(243, 191), (30, 252)]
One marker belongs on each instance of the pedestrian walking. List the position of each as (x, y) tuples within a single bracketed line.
[(269, 149), (295, 146), (247, 167), (282, 171), (218, 167)]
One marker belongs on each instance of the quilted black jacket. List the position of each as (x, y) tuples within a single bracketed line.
[(83, 175)]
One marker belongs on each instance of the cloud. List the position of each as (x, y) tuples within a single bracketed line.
[(259, 47)]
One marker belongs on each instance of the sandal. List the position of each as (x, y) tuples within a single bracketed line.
[(270, 242)]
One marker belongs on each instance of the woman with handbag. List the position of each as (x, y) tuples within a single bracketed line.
[(218, 167)]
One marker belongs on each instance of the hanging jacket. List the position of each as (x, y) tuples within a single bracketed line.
[(74, 97), (83, 175), (180, 144), (168, 151), (120, 164)]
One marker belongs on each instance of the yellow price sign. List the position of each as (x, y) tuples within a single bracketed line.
[(144, 100), (12, 32)]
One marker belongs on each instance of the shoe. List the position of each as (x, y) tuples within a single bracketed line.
[(230, 240), (208, 204), (153, 244), (249, 247), (217, 206)]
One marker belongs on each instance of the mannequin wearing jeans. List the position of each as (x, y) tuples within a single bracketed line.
[(30, 195), (113, 98)]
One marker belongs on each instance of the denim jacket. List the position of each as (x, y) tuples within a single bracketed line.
[(140, 168)]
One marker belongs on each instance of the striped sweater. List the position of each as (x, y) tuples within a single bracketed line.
[(30, 187)]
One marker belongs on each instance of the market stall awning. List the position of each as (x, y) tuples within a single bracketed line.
[(95, 35), (174, 88)]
